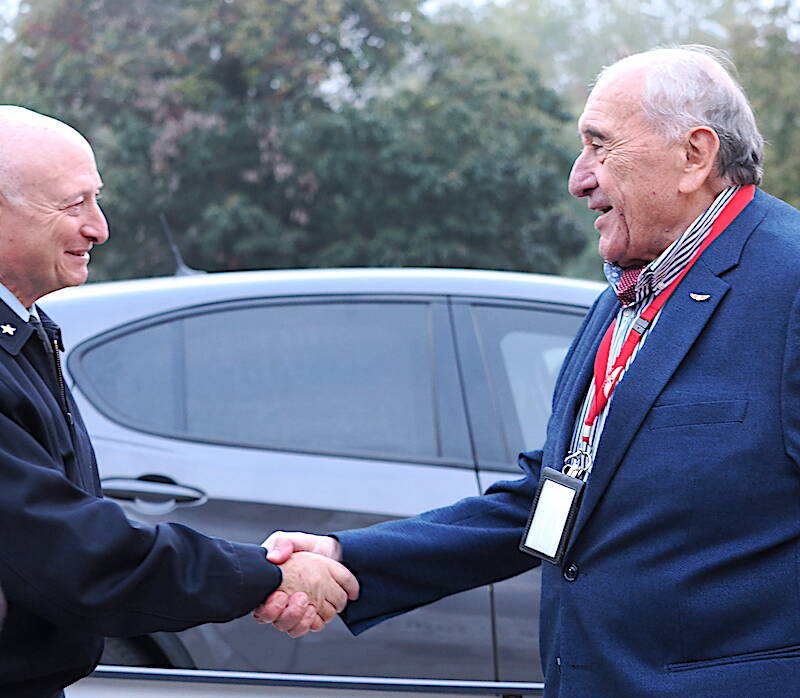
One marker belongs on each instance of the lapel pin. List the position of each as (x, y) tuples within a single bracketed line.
[(8, 329), (699, 296)]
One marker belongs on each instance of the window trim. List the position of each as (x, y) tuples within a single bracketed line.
[(483, 413)]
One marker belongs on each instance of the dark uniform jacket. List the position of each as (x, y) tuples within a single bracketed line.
[(682, 575), (72, 566)]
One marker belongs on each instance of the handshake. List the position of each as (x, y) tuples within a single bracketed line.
[(315, 586)]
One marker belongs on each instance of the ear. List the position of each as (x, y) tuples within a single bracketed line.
[(700, 152)]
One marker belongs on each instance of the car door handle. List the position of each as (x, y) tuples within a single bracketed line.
[(152, 494)]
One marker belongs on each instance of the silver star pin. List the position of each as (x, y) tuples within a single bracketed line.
[(699, 296), (8, 329)]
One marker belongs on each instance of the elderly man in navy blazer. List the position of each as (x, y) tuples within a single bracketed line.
[(675, 434)]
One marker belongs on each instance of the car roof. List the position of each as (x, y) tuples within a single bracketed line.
[(93, 308)]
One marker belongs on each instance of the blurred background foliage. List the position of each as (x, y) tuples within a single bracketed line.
[(296, 133)]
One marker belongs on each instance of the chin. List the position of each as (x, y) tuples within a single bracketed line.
[(609, 255), (74, 280), (615, 242), (613, 253)]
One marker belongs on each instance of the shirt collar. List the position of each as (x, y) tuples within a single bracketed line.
[(659, 273), (14, 303)]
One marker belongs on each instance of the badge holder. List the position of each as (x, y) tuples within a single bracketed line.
[(555, 508)]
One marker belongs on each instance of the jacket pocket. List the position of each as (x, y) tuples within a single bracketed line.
[(790, 652), (689, 414)]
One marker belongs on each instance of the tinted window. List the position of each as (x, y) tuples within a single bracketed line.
[(349, 377), (522, 350)]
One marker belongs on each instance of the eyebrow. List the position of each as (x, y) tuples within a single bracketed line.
[(84, 192), (593, 133), (71, 199)]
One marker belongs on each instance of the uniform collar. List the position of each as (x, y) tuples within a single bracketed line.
[(14, 331)]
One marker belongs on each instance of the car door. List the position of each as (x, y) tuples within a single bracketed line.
[(315, 413), (510, 353)]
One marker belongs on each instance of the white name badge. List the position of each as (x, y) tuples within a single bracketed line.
[(555, 508)]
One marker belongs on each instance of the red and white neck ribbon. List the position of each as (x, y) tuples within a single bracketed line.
[(605, 378)]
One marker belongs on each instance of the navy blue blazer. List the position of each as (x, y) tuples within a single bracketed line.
[(686, 551)]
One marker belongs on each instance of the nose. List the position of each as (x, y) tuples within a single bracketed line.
[(95, 228), (581, 179)]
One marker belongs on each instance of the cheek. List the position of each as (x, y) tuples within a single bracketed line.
[(63, 234), (633, 190), (612, 173), (618, 169)]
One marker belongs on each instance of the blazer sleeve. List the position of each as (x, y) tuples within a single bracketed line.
[(407, 563), (79, 561)]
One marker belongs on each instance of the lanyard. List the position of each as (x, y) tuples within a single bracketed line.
[(605, 379)]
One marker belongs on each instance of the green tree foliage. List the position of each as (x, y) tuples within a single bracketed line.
[(465, 167), (572, 40), (767, 50), (299, 132), (186, 103)]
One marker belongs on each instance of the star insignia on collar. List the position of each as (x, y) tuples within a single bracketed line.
[(8, 329)]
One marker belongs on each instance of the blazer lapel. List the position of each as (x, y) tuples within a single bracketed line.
[(682, 320)]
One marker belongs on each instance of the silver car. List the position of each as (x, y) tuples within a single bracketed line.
[(318, 400)]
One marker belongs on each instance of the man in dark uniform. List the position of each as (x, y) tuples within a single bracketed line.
[(72, 566)]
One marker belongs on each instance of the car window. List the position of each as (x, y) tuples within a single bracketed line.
[(345, 377), (522, 350)]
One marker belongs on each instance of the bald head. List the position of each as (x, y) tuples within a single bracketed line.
[(49, 215), (690, 86), (28, 141)]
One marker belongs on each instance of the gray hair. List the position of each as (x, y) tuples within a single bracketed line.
[(690, 86)]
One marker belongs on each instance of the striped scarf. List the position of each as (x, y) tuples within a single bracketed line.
[(632, 286), (648, 282)]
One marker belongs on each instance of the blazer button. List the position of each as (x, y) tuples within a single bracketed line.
[(571, 572)]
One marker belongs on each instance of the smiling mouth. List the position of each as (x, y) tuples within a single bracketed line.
[(602, 212)]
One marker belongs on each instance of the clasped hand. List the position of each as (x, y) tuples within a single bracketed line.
[(315, 587)]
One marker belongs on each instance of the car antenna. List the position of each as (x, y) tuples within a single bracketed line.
[(181, 268)]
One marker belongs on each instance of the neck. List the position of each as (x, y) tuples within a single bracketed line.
[(692, 206), (26, 299)]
